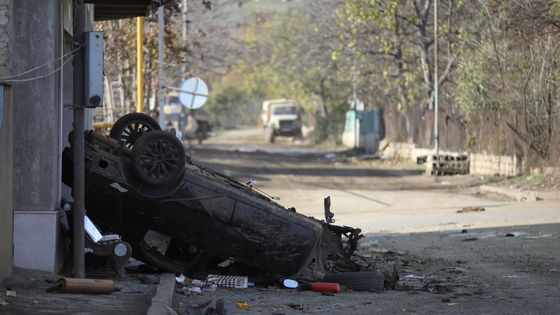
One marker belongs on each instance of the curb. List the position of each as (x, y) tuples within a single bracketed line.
[(163, 299), (517, 195)]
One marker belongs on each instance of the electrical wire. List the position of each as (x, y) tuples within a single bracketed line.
[(42, 76), (9, 78)]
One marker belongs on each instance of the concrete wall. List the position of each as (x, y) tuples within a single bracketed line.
[(488, 164), (6, 140), (37, 115)]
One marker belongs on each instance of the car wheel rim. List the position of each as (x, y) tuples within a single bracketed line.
[(132, 132), (159, 159)]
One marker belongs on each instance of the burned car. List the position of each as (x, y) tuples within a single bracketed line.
[(140, 183)]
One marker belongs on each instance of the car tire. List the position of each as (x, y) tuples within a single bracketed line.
[(358, 281), (130, 127), (158, 158), (269, 135)]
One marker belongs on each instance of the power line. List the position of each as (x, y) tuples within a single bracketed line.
[(9, 78), (42, 76)]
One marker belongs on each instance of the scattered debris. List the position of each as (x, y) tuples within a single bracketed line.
[(297, 307), (149, 279), (243, 304), (3, 303), (238, 282), (10, 292), (74, 285), (322, 287), (192, 290), (390, 279), (180, 279), (471, 209), (289, 283)]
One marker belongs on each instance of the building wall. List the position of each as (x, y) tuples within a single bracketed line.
[(6, 140), (37, 30)]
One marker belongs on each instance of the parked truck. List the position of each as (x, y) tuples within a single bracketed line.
[(280, 117)]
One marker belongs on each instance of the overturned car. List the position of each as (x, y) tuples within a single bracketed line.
[(140, 183)]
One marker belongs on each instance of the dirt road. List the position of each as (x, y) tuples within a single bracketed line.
[(505, 259)]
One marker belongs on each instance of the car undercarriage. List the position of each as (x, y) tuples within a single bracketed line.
[(184, 218)]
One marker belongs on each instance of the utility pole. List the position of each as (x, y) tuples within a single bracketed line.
[(139, 64), (161, 92), (436, 83), (78, 146), (184, 10)]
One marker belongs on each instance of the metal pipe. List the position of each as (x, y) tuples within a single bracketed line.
[(78, 144), (161, 91), (436, 84), (139, 64)]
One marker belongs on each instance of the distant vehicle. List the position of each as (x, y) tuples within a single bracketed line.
[(280, 117), (193, 124)]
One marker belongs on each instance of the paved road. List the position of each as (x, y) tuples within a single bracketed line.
[(377, 196)]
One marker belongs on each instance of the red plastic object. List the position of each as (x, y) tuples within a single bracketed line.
[(325, 287)]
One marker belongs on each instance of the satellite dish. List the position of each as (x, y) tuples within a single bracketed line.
[(193, 93)]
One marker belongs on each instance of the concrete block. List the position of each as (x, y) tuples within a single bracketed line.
[(37, 240)]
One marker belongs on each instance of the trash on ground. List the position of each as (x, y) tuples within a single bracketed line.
[(471, 209), (180, 279), (192, 290), (238, 282), (297, 307), (149, 279), (469, 239), (74, 285), (243, 304), (391, 279), (289, 283), (10, 292), (322, 287), (3, 303)]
